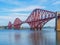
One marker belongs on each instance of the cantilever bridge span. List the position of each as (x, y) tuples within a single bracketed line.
[(37, 19)]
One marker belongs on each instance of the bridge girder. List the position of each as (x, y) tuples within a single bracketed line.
[(39, 17)]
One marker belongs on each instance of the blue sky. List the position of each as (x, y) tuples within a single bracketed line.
[(11, 9)]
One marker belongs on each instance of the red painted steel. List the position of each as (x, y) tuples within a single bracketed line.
[(17, 23), (9, 25), (39, 17)]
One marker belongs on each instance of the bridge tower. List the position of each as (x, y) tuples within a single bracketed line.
[(58, 21), (17, 23), (9, 25), (39, 17)]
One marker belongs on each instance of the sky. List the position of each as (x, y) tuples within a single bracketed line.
[(11, 9)]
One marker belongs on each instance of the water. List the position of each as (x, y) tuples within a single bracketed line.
[(28, 37)]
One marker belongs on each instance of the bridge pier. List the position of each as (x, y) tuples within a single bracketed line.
[(35, 29), (17, 27), (9, 25)]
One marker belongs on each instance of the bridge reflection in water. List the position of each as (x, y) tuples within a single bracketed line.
[(27, 37)]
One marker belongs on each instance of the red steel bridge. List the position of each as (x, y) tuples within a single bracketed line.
[(36, 20)]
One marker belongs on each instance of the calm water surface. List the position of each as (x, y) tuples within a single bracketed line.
[(28, 37)]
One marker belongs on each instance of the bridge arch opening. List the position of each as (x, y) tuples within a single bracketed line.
[(50, 25), (25, 26)]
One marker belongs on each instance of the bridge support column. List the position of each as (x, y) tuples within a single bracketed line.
[(58, 21), (9, 25), (17, 27), (17, 23)]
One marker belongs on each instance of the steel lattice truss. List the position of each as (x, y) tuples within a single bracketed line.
[(9, 25), (37, 19)]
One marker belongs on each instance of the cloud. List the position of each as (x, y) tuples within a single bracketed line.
[(20, 6), (42, 1), (22, 17), (26, 9), (11, 17), (11, 14), (29, 8), (12, 8), (18, 2), (56, 3), (11, 2)]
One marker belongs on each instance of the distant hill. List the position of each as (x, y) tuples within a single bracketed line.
[(48, 27)]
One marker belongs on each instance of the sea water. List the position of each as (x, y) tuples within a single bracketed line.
[(28, 37)]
